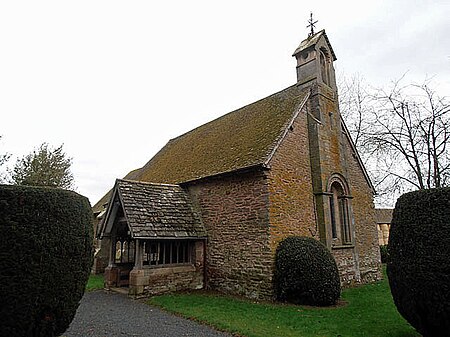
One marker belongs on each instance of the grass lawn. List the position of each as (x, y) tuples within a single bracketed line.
[(95, 282), (369, 311)]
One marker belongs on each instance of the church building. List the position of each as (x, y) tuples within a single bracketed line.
[(209, 209)]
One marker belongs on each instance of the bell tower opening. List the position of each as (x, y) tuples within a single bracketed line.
[(325, 66)]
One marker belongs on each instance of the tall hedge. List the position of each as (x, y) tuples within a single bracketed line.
[(45, 258), (306, 272), (419, 264)]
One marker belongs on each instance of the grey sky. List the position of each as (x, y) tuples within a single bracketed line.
[(115, 80)]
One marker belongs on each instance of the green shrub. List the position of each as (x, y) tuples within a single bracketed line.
[(419, 265), (45, 258), (384, 252), (306, 272)]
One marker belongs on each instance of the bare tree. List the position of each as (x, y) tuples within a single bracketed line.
[(412, 128), (44, 166), (402, 134), (356, 102)]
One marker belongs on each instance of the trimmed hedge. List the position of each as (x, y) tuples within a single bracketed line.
[(45, 258), (419, 264), (306, 272)]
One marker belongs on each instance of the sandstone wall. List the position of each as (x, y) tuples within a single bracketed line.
[(291, 199), (234, 213), (172, 278)]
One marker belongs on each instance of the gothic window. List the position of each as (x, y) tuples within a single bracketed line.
[(340, 217)]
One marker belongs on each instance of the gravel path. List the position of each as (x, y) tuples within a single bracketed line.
[(105, 314)]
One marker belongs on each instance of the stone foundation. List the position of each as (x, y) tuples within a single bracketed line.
[(347, 263), (171, 279)]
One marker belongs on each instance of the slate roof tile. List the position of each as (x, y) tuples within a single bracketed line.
[(158, 210)]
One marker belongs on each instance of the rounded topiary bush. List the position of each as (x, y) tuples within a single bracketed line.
[(306, 272), (45, 258), (419, 263)]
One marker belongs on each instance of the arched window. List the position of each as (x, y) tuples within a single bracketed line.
[(340, 216)]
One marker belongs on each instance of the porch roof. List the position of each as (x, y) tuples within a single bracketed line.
[(155, 211)]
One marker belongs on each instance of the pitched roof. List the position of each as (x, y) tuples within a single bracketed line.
[(240, 139), (157, 211), (384, 215)]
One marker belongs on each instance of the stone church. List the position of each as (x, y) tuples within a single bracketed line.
[(209, 209)]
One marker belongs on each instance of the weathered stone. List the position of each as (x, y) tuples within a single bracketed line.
[(111, 275), (138, 278)]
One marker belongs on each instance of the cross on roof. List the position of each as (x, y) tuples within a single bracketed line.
[(311, 24)]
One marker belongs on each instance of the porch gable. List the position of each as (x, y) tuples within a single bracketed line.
[(153, 211)]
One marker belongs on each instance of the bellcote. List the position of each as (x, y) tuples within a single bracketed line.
[(315, 58)]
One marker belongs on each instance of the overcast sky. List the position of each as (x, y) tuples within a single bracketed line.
[(115, 80)]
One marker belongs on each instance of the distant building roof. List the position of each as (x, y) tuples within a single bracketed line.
[(384, 215), (157, 211)]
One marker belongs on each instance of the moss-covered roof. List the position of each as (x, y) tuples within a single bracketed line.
[(240, 139), (243, 138)]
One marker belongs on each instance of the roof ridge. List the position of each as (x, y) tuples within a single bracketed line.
[(147, 182), (312, 40)]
